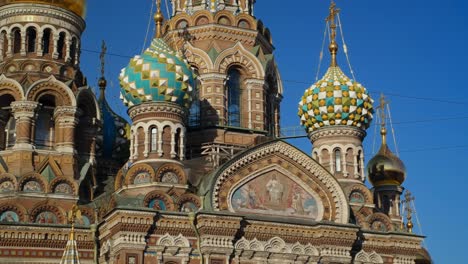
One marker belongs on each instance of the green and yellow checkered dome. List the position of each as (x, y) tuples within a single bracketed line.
[(158, 75), (335, 100)]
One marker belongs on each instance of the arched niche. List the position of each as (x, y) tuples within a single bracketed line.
[(303, 180)]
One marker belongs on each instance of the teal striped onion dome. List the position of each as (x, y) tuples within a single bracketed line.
[(158, 75), (335, 100)]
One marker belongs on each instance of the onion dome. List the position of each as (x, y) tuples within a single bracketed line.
[(76, 6), (386, 168), (115, 130), (335, 99), (158, 75)]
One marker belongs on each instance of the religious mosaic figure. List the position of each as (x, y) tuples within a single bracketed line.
[(275, 190), (7, 186), (63, 188), (142, 177), (170, 177), (9, 217), (32, 186), (188, 207), (46, 218)]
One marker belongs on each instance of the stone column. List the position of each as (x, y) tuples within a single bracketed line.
[(173, 143), (39, 44), (67, 49), (9, 51), (55, 49), (147, 141), (160, 141), (182, 145), (23, 43), (24, 113), (65, 123)]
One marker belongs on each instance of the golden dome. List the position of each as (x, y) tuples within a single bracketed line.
[(76, 6), (386, 168)]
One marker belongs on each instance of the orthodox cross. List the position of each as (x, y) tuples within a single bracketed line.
[(408, 200), (102, 57), (333, 47)]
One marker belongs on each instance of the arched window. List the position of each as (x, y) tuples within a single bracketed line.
[(7, 122), (31, 35), (233, 86), (61, 45), (358, 161), (10, 132), (337, 160), (195, 108), (46, 41), (154, 139), (45, 125), (73, 50), (16, 40)]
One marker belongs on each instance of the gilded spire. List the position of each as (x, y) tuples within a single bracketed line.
[(333, 47), (383, 128), (102, 81), (71, 254), (408, 200), (158, 18)]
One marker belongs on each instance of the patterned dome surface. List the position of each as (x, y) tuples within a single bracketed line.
[(76, 6), (335, 100), (158, 75)]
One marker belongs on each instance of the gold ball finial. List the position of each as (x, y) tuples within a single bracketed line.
[(102, 82), (158, 19)]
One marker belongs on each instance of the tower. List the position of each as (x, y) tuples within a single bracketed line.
[(336, 111), (386, 173), (49, 119), (239, 89)]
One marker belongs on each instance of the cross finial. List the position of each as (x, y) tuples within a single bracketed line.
[(73, 214), (333, 47), (102, 57), (382, 106), (408, 201)]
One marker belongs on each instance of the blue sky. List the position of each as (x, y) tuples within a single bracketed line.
[(413, 51)]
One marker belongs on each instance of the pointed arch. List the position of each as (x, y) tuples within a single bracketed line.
[(239, 55), (198, 58), (63, 94), (11, 87)]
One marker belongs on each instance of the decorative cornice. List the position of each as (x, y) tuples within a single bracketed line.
[(25, 9), (152, 107), (337, 131)]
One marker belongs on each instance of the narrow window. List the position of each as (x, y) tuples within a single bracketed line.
[(337, 160), (31, 39), (154, 137), (46, 41), (10, 132), (45, 125), (233, 97), (61, 45), (358, 161), (16, 41), (73, 50)]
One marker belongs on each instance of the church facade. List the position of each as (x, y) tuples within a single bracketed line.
[(200, 174)]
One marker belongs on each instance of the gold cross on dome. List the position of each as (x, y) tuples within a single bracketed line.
[(102, 57)]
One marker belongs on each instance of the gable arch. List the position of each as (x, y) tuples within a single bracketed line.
[(301, 168), (51, 85), (11, 87), (199, 58), (238, 55)]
